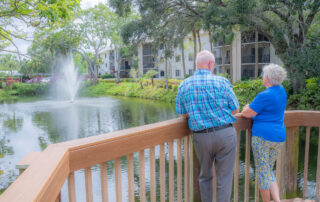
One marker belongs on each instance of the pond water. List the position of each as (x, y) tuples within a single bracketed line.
[(32, 126)]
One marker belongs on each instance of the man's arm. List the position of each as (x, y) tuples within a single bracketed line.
[(247, 112), (235, 111)]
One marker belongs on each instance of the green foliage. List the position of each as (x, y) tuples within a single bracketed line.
[(133, 73), (130, 89), (150, 74), (32, 13), (308, 98), (106, 76), (31, 89), (246, 91), (100, 89)]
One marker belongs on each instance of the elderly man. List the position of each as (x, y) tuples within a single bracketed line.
[(209, 103)]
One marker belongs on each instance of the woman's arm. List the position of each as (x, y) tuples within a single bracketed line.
[(185, 116), (248, 112)]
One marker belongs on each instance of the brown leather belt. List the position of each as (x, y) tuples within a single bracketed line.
[(208, 130)]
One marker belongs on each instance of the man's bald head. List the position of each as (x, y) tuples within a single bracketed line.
[(205, 60)]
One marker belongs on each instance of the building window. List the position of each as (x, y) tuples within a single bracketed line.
[(148, 57), (190, 56), (178, 58), (177, 72), (262, 38), (162, 73), (247, 72), (190, 72)]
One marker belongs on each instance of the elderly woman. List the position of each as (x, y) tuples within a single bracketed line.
[(268, 130)]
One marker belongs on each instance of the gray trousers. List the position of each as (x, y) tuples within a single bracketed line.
[(218, 147)]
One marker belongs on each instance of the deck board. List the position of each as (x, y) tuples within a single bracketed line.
[(297, 200)]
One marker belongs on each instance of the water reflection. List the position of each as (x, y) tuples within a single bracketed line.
[(32, 126)]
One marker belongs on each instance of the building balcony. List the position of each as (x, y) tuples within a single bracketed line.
[(248, 59), (264, 58), (219, 61)]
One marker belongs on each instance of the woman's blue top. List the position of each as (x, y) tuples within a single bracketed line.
[(270, 105)]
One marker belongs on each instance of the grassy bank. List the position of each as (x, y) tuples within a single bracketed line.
[(131, 89), (307, 99)]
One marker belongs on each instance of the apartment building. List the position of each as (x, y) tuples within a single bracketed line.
[(243, 59)]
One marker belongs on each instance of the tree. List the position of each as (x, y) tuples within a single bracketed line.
[(9, 62), (285, 23), (14, 13), (151, 74), (224, 35), (162, 22), (92, 31)]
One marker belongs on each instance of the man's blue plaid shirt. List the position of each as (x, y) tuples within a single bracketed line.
[(208, 99)]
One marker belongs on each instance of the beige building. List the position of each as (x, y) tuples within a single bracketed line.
[(243, 59)]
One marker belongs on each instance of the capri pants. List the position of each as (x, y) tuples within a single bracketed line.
[(265, 154)]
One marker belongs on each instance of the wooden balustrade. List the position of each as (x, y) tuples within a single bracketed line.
[(51, 168)]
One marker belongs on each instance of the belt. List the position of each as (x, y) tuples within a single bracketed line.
[(208, 130)]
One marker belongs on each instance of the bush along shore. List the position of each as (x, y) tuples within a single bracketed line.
[(19, 90), (307, 99)]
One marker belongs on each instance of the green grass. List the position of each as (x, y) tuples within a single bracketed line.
[(130, 89)]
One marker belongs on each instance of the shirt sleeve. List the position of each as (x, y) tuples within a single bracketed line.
[(259, 102), (232, 98), (180, 108)]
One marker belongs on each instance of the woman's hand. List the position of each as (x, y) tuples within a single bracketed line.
[(185, 116), (247, 112)]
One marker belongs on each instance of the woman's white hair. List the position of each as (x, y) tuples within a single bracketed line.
[(275, 74)]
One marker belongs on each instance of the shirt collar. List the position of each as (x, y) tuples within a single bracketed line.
[(202, 72)]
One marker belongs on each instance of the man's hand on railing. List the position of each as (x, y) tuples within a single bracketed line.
[(238, 115)]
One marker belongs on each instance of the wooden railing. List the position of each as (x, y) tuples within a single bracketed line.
[(46, 174)]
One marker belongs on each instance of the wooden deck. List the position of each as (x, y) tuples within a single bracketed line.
[(49, 170), (296, 200)]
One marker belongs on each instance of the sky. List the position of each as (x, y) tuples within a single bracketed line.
[(23, 45)]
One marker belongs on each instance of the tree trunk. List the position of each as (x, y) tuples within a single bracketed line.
[(166, 69), (94, 76), (183, 61), (194, 49), (199, 40), (231, 67), (118, 63), (297, 79), (223, 60), (210, 41)]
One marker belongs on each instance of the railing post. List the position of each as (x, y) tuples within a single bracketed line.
[(196, 173), (289, 164)]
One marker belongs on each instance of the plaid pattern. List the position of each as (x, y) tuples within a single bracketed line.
[(208, 99)]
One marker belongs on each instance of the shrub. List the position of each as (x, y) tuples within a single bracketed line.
[(247, 90), (31, 89), (106, 76), (307, 99)]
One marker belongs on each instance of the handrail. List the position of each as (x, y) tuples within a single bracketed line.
[(43, 179), (58, 160)]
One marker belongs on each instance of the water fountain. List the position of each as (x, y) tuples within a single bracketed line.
[(67, 82)]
